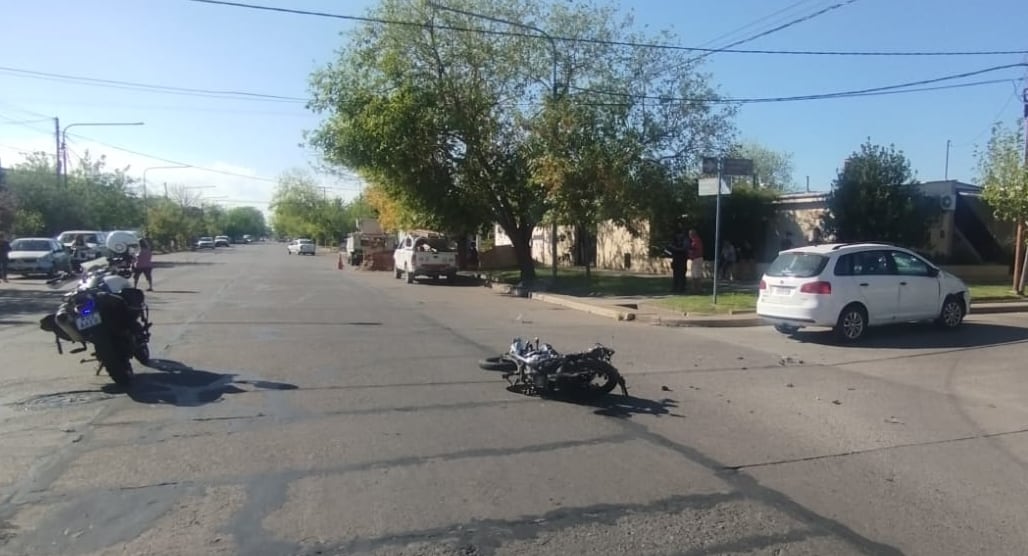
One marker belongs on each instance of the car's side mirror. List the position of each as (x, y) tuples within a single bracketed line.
[(933, 272)]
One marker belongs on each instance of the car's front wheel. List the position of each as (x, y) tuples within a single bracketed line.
[(852, 323), (952, 314)]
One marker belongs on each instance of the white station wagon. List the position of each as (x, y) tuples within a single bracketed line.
[(850, 287), (301, 246)]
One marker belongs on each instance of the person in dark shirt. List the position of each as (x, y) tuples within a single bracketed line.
[(679, 251), (5, 250)]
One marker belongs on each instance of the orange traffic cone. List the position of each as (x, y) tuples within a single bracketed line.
[(340, 265)]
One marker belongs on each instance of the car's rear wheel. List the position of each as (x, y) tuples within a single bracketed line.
[(852, 323), (952, 314)]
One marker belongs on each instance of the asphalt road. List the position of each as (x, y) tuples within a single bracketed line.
[(297, 409)]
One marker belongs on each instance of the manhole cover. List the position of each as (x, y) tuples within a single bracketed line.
[(65, 399)]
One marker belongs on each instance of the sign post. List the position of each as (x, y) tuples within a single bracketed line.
[(721, 167)]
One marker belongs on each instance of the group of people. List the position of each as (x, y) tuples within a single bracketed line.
[(686, 251), (142, 260), (686, 257)]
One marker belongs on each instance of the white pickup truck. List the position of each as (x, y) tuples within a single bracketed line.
[(425, 254)]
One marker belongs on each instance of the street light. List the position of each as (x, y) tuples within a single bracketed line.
[(64, 139), (555, 92), (145, 170)]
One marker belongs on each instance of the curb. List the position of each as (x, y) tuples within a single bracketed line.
[(998, 308), (709, 322), (584, 307)]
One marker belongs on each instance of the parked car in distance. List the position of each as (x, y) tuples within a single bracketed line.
[(38, 255), (94, 240), (205, 243), (222, 241), (301, 246), (850, 287), (426, 254)]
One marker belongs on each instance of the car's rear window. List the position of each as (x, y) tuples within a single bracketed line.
[(31, 245), (797, 265)]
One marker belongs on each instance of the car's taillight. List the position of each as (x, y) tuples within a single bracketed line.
[(763, 285), (819, 288)]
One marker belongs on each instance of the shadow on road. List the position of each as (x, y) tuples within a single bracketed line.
[(178, 384), (624, 407), (461, 281), (28, 302), (173, 264), (925, 336)]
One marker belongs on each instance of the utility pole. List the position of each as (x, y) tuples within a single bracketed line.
[(946, 174), (1020, 224), (57, 148)]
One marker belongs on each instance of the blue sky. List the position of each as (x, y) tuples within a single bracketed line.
[(179, 43)]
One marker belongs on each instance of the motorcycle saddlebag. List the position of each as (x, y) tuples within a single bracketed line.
[(48, 323), (133, 297)]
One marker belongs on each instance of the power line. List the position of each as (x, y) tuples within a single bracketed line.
[(426, 25), (754, 22), (164, 89), (776, 29), (176, 162), (888, 89)]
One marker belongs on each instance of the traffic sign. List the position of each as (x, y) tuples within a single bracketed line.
[(709, 166), (737, 167), (708, 187)]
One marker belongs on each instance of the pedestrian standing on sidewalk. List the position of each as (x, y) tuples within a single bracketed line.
[(5, 249), (695, 261), (679, 251), (728, 259), (143, 265)]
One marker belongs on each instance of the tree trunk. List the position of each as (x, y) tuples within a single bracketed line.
[(462, 251), (521, 238)]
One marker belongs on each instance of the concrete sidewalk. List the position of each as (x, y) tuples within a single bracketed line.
[(643, 309)]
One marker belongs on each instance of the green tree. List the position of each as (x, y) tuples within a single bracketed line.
[(300, 209), (875, 198), (772, 168), (1003, 174), (240, 221), (95, 197), (448, 123)]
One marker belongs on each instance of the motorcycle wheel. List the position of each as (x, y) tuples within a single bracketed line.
[(609, 376), (118, 367), (497, 364), (143, 355)]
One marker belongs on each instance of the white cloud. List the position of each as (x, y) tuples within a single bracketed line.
[(218, 181)]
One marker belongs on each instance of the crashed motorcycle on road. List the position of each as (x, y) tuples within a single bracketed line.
[(536, 368), (104, 310)]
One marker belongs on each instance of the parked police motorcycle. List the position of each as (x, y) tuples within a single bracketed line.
[(103, 309)]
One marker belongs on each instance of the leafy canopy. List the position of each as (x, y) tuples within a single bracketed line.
[(876, 198), (463, 128), (1003, 173)]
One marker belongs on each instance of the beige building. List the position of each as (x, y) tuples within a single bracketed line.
[(966, 234)]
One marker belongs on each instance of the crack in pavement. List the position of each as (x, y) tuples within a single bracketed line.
[(878, 449)]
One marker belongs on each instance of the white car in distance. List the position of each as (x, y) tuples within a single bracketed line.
[(850, 287), (301, 246)]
